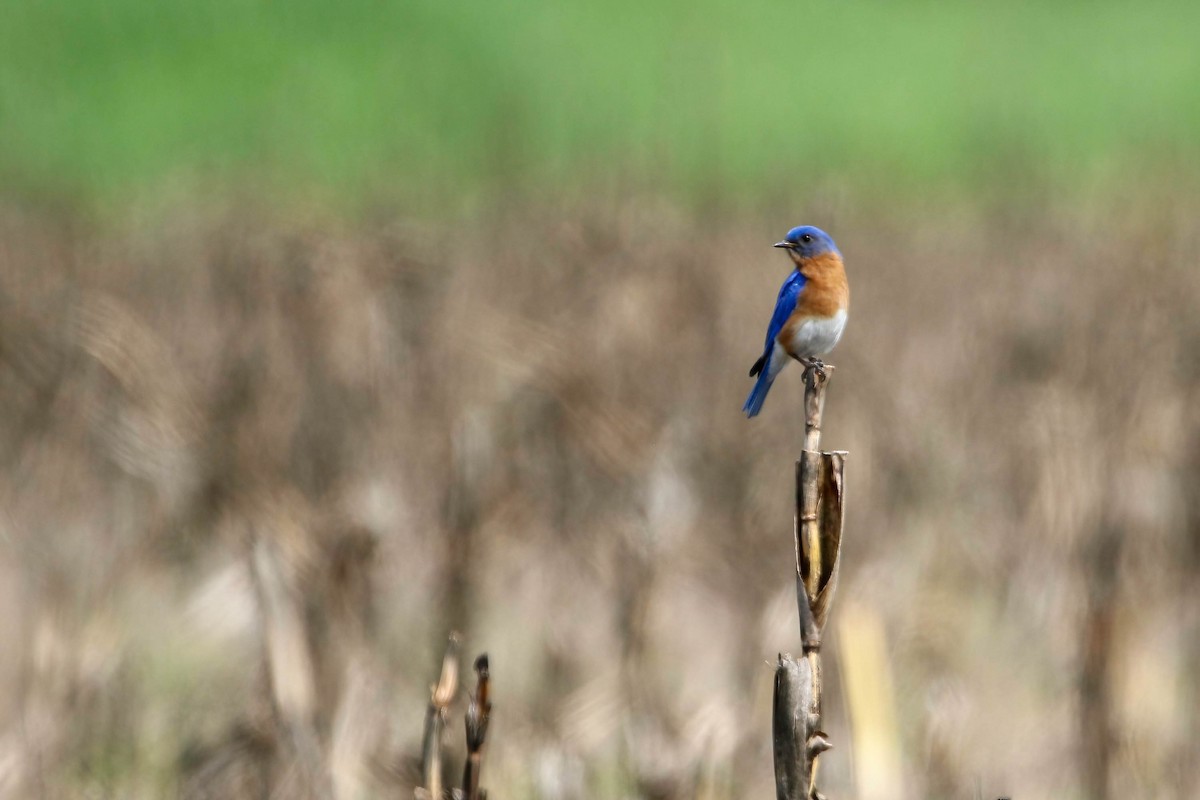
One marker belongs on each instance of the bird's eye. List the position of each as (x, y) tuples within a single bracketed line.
[(806, 238)]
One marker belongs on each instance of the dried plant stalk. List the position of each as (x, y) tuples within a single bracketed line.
[(807, 524), (831, 485), (820, 477), (478, 715), (440, 696)]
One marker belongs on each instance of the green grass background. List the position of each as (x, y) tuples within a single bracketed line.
[(441, 100)]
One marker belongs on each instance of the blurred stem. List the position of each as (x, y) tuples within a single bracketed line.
[(1189, 595), (463, 504), (1096, 734), (636, 583), (287, 657)]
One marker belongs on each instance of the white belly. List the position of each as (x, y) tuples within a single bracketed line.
[(816, 337)]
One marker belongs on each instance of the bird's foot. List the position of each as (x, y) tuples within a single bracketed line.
[(819, 367)]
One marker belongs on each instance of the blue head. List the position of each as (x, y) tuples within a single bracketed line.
[(806, 242)]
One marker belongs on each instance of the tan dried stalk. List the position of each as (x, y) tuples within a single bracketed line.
[(797, 733), (440, 696)]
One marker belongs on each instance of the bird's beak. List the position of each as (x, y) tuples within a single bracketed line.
[(784, 245)]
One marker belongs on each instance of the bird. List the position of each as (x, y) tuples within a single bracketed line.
[(810, 312)]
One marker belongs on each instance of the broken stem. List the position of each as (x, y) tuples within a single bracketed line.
[(440, 695), (798, 737)]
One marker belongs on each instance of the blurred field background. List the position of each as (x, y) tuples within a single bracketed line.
[(325, 330)]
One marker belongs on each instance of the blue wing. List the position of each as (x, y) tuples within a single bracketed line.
[(789, 294)]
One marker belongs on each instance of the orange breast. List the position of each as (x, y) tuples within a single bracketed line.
[(826, 291)]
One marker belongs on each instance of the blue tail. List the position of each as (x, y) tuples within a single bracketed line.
[(758, 394)]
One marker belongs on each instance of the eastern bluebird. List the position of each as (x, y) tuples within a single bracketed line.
[(810, 312)]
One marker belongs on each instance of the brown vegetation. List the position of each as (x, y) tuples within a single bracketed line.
[(254, 472)]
